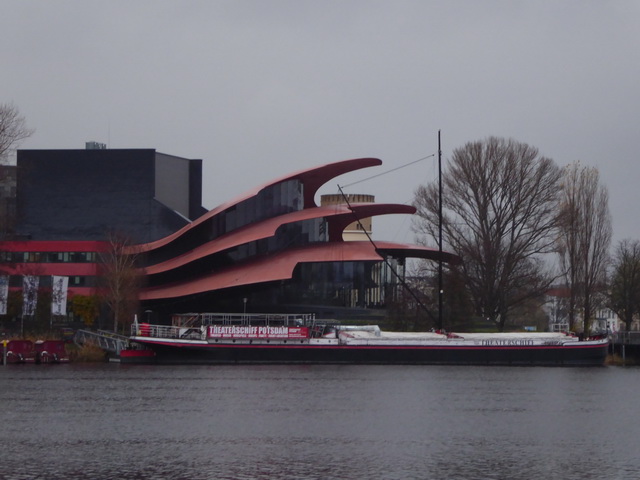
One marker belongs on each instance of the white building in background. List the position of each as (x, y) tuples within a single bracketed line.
[(607, 320), (556, 308)]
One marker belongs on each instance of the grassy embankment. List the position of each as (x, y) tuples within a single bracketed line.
[(85, 353)]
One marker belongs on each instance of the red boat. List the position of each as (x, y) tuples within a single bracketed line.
[(137, 356), (51, 351), (21, 351)]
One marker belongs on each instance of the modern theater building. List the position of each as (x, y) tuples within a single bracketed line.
[(272, 249)]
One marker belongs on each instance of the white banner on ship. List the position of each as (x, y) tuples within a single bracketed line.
[(59, 295), (29, 294), (251, 331), (4, 293)]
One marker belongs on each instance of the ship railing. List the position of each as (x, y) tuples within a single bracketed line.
[(109, 333), (625, 338), (560, 327), (185, 320), (109, 341), (192, 328), (159, 331), (204, 319)]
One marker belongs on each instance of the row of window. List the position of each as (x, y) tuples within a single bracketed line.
[(274, 200), (45, 281), (278, 199), (287, 236), (48, 257)]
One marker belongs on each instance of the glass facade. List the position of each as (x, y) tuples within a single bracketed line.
[(287, 236), (278, 199), (342, 284)]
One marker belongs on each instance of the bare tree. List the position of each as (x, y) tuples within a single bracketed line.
[(13, 128), (624, 293), (568, 243), (499, 215), (584, 241), (12, 131), (458, 310), (121, 280)]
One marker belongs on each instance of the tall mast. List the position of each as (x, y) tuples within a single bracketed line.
[(440, 292)]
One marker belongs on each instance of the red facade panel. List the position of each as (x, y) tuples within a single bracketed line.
[(52, 246)]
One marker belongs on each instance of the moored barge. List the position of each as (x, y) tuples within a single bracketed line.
[(264, 338)]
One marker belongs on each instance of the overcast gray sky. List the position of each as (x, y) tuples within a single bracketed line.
[(259, 89)]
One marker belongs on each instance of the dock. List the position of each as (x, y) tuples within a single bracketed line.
[(108, 341), (626, 345)]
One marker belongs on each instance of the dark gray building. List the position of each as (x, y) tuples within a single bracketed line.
[(7, 199), (89, 194)]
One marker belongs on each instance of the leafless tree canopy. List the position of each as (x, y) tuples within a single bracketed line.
[(585, 239), (121, 280), (13, 128), (499, 215), (624, 298)]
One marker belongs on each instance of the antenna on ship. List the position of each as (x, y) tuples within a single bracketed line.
[(440, 290)]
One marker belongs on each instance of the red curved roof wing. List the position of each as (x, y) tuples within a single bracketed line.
[(312, 178)]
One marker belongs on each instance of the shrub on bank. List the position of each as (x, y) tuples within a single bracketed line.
[(86, 353)]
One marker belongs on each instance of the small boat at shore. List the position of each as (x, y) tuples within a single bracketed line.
[(51, 351), (26, 351), (20, 351), (266, 338)]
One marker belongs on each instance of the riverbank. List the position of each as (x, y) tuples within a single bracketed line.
[(87, 353)]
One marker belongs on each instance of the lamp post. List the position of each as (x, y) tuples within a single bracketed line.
[(244, 310)]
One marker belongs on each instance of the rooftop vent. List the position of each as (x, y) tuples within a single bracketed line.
[(95, 146)]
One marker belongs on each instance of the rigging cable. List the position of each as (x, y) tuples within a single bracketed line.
[(388, 171), (384, 257)]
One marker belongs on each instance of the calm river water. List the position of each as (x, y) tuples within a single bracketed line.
[(111, 421)]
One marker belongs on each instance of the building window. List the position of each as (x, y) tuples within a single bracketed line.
[(48, 257)]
